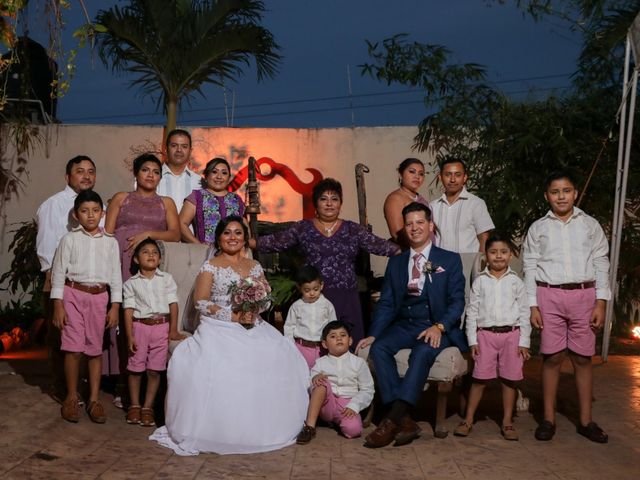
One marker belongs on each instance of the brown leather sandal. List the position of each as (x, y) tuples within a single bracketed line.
[(146, 417), (133, 415)]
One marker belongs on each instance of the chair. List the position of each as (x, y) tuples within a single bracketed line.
[(183, 262)]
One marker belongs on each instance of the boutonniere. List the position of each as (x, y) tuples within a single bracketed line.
[(429, 267)]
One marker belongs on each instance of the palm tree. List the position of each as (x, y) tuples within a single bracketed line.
[(174, 46)]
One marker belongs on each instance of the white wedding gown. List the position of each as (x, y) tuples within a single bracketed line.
[(233, 390)]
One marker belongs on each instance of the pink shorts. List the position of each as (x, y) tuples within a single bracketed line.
[(86, 321), (310, 354), (499, 356), (153, 347), (331, 411), (566, 317)]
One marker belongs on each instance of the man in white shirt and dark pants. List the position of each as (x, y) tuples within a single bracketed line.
[(462, 219), (178, 181), (55, 219)]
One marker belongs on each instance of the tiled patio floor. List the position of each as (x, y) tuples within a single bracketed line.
[(36, 443)]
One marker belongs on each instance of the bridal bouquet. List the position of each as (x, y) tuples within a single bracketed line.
[(250, 296)]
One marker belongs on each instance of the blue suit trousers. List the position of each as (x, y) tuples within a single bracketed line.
[(400, 335)]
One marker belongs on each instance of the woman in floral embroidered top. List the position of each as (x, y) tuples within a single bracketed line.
[(204, 208), (331, 244)]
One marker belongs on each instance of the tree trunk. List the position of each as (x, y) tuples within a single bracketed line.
[(172, 111)]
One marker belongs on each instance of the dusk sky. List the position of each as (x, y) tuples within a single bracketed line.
[(320, 41)]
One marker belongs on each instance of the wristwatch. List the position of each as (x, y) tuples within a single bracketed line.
[(440, 327)]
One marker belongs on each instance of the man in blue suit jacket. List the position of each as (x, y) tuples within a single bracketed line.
[(420, 307)]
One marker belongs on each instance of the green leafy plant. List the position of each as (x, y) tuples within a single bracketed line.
[(283, 290), (23, 279)]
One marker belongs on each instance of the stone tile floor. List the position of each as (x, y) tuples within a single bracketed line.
[(36, 443)]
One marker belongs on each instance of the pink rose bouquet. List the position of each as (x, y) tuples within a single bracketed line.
[(250, 296)]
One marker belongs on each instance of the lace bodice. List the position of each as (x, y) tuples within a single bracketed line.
[(223, 277)]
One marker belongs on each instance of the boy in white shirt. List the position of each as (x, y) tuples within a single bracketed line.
[(150, 319), (566, 273), (498, 331), (87, 261), (341, 385), (308, 315)]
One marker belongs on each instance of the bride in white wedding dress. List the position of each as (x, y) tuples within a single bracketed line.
[(232, 389)]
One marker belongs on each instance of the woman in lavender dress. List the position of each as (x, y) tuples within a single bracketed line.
[(204, 208), (134, 216), (331, 244), (411, 178)]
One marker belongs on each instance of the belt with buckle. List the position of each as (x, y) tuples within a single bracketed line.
[(568, 286), (503, 329), (152, 320), (306, 343), (92, 289)]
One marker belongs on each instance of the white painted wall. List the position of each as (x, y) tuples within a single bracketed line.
[(334, 152)]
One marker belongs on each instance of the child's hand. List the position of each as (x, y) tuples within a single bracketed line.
[(524, 352), (112, 317), (348, 413), (59, 319), (598, 315), (177, 336), (132, 346), (536, 318), (475, 351), (317, 380)]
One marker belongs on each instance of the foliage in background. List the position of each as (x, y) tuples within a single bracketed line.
[(173, 47), (23, 280), (510, 146)]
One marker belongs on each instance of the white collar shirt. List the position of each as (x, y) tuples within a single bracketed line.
[(557, 252), (498, 302), (349, 376), (422, 260), (150, 297), (178, 187), (459, 223), (87, 259), (306, 320), (55, 219)]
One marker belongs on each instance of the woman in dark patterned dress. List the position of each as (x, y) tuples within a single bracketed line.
[(331, 244), (204, 208)]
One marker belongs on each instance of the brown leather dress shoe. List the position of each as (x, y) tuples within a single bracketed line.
[(70, 410), (409, 431), (95, 410), (383, 435)]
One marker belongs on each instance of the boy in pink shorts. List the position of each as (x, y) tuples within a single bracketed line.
[(150, 319), (86, 263), (498, 331), (341, 385), (308, 315), (567, 282)]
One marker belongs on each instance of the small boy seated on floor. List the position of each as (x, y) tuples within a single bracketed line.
[(341, 385)]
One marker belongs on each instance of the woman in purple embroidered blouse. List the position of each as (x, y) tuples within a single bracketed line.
[(331, 244), (204, 208)]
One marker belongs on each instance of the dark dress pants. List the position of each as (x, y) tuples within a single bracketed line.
[(400, 335)]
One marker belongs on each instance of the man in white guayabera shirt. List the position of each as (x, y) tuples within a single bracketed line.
[(462, 219), (55, 219), (178, 181)]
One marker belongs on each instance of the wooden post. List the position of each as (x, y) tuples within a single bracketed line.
[(253, 208)]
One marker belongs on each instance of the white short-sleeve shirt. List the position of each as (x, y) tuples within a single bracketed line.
[(459, 223)]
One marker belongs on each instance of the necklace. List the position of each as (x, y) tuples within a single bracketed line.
[(328, 230), (414, 198)]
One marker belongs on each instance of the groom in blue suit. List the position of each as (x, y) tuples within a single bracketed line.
[(420, 307)]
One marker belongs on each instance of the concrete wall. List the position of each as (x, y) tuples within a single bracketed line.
[(334, 152)]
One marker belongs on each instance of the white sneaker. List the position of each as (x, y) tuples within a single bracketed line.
[(117, 402)]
